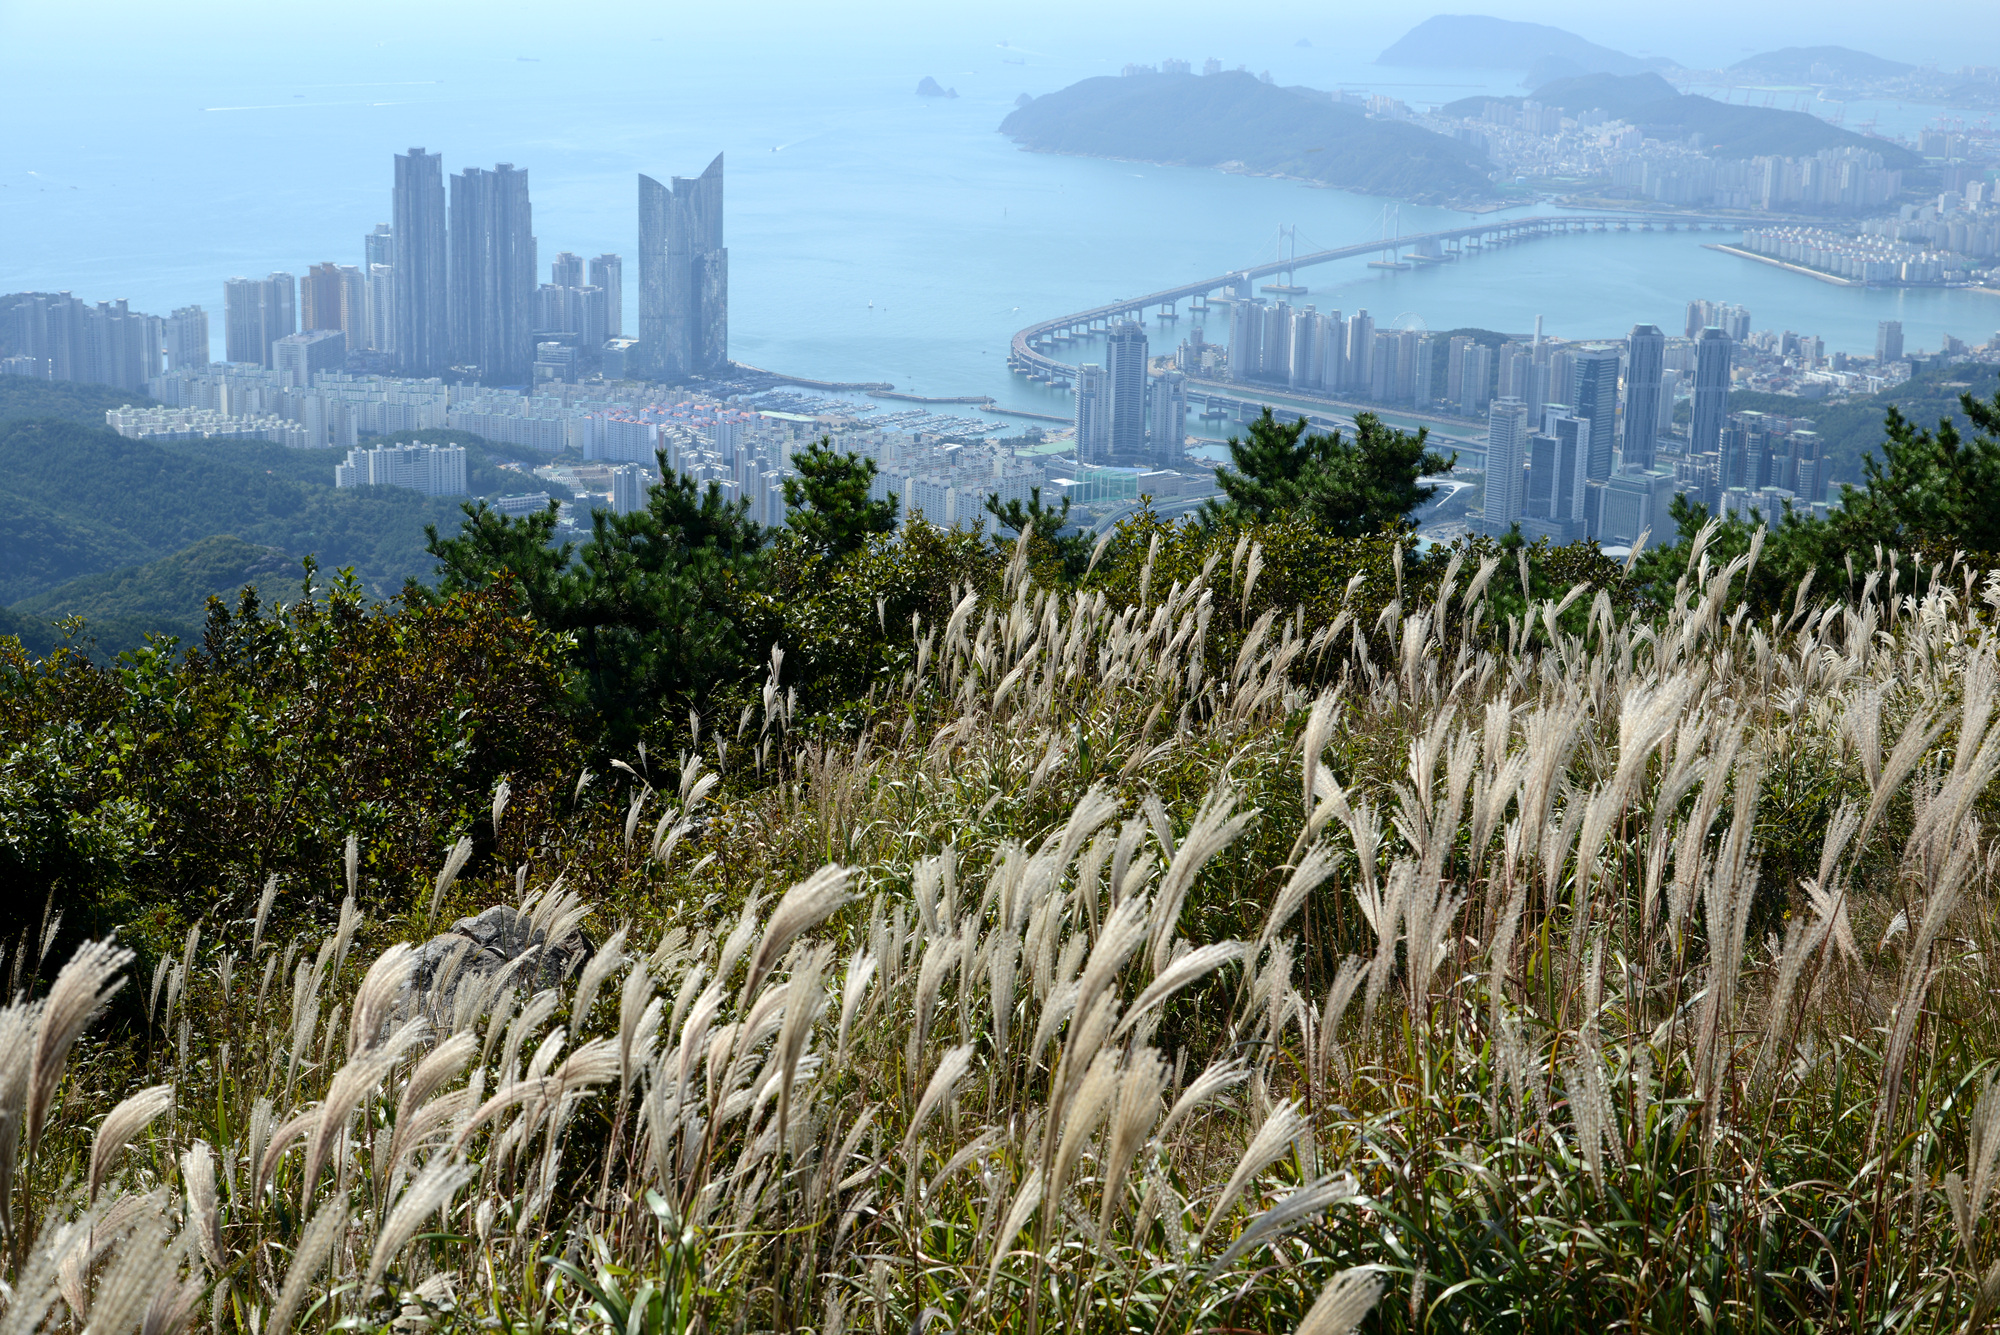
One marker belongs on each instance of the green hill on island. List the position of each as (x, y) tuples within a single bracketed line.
[(1796, 64), (1656, 107), (1480, 41), (1233, 120)]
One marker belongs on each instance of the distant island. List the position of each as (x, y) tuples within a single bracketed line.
[(1479, 41), (1236, 122), (1819, 64), (929, 87), (1663, 112)]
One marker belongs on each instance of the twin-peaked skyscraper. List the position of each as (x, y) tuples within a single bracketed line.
[(683, 277)]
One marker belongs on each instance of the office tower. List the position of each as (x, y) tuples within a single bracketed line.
[(1711, 390), (1593, 386), (1246, 338), (1506, 443), (1167, 425), (1093, 415), (1646, 349), (683, 276), (299, 357), (1125, 382), (378, 247), (492, 290), (1888, 342), (1558, 476), (608, 272), (422, 310), (566, 270), (256, 313), (382, 307), (187, 339), (1360, 353), (1809, 466)]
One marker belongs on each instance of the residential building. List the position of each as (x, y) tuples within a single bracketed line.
[(256, 313), (434, 470), (1093, 415), (62, 338), (607, 272), (683, 276), (1125, 385), (1888, 342), (187, 339), (492, 265), (630, 484), (422, 309), (1167, 427), (1507, 432), (1646, 350), (299, 357)]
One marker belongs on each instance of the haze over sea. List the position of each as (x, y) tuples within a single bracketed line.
[(873, 235)]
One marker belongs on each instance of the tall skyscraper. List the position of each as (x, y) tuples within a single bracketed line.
[(1167, 427), (422, 307), (492, 292), (382, 307), (1593, 385), (608, 272), (256, 313), (1711, 390), (1506, 445), (319, 297), (1246, 338), (1125, 380), (566, 270), (1093, 415), (1889, 342), (1302, 365), (1646, 353), (187, 339), (1360, 353), (683, 276)]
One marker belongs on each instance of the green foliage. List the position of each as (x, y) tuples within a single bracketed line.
[(1346, 487), (660, 604), (128, 789), (1234, 118), (120, 608), (23, 397), (1053, 540), (827, 504)]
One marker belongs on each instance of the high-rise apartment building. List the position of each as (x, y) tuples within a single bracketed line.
[(422, 310), (1711, 390), (1645, 351), (566, 270), (492, 288), (63, 338), (1888, 342), (299, 357), (1093, 415), (1474, 388), (1246, 338), (382, 307), (1360, 353), (1167, 427), (1125, 381), (187, 339), (257, 312), (1507, 430), (335, 296), (683, 276), (608, 272), (378, 247)]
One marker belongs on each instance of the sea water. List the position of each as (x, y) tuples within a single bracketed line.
[(873, 235)]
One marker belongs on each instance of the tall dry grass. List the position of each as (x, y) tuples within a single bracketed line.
[(1097, 985)]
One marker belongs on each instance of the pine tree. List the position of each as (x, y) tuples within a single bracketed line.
[(1351, 488)]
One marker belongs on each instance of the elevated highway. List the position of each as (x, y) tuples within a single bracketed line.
[(1031, 353)]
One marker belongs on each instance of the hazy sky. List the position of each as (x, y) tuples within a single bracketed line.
[(126, 36)]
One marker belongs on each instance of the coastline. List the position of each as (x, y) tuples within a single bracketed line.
[(1833, 280), (1237, 168)]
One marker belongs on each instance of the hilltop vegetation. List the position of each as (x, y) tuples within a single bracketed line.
[(1795, 64), (1657, 108), (1234, 120), (123, 531), (1479, 41)]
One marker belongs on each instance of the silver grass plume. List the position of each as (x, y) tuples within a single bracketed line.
[(454, 863), (1274, 1139), (264, 902), (430, 1192), (81, 990), (17, 1032), (601, 966), (321, 1233), (122, 1123), (1216, 825), (204, 1218), (375, 1000), (1182, 972), (1138, 1107), (1342, 1304), (805, 906), (1312, 1199)]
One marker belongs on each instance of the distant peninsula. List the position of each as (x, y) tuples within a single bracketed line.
[(1819, 64), (1663, 112), (1236, 122), (1480, 41)]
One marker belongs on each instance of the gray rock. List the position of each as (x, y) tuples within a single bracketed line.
[(500, 938)]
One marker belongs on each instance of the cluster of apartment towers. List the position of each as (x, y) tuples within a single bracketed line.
[(449, 287), (1127, 414)]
